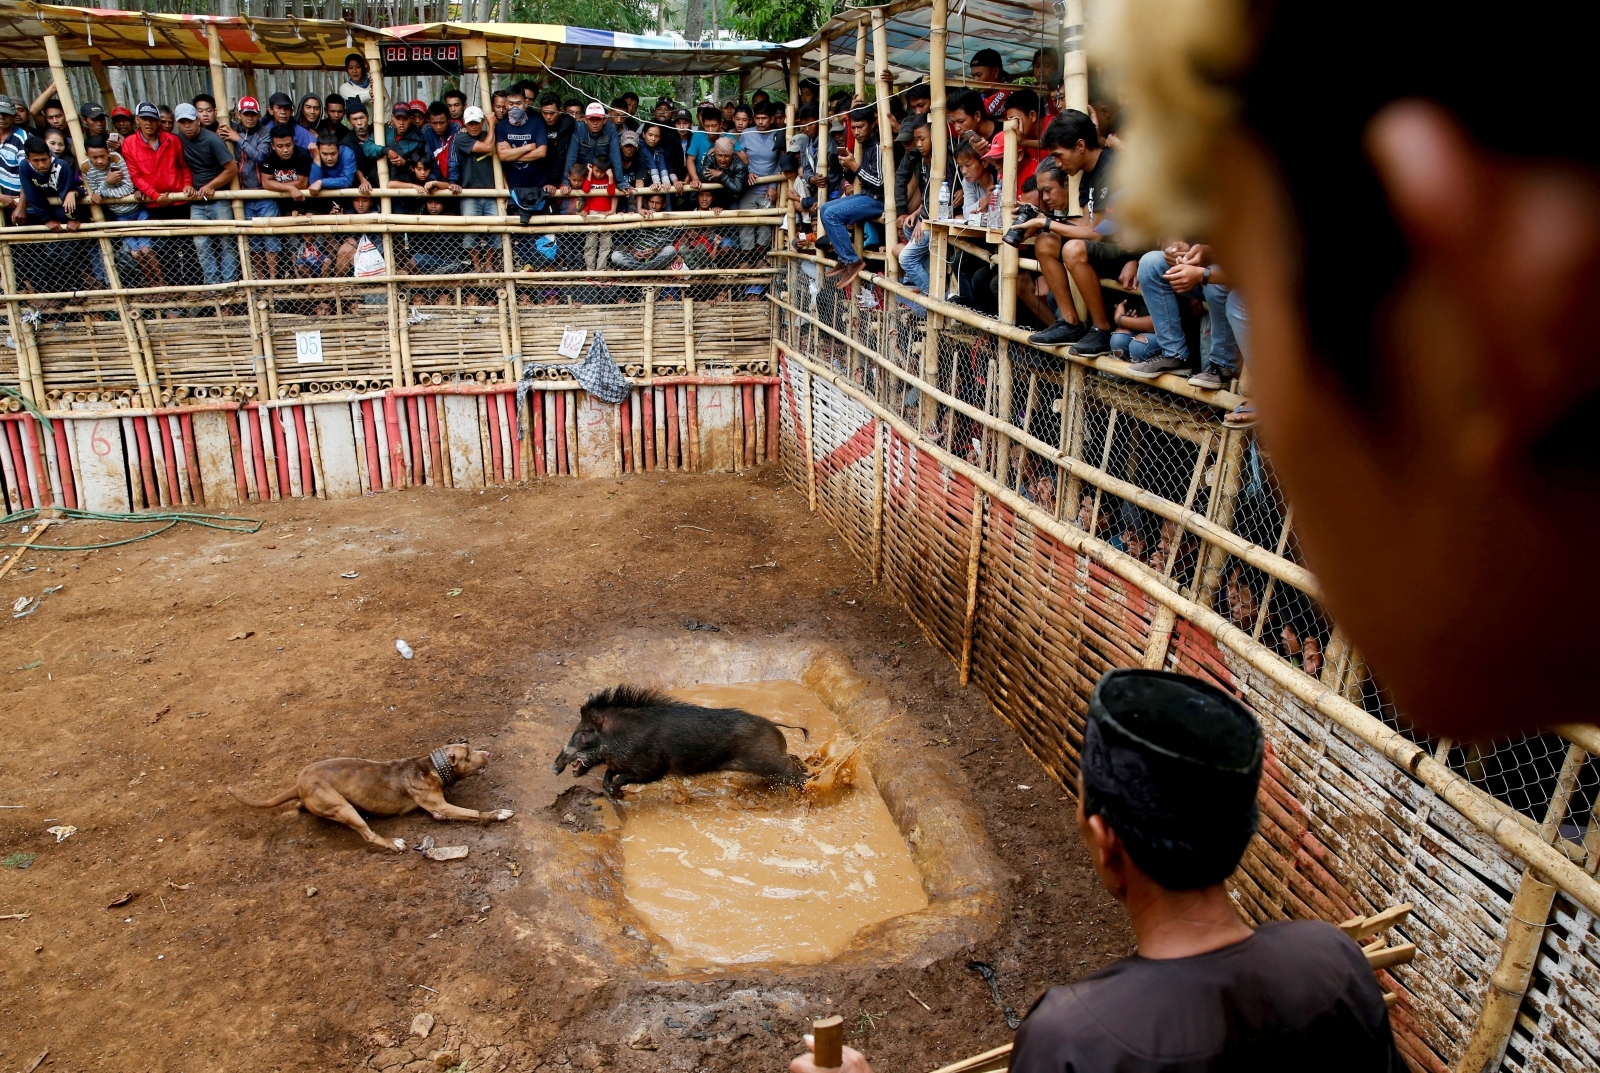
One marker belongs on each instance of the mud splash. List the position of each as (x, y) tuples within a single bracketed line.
[(731, 873)]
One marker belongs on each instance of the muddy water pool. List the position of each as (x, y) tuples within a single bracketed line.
[(730, 872)]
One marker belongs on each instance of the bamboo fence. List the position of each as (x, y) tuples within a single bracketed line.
[(1077, 521)]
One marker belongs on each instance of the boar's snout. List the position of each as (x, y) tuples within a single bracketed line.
[(563, 758)]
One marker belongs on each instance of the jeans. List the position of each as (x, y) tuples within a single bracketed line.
[(1162, 301), (1135, 346), (475, 206), (629, 261), (219, 257), (1229, 328), (839, 216), (255, 210), (914, 263)]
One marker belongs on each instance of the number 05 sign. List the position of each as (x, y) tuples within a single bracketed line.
[(422, 58)]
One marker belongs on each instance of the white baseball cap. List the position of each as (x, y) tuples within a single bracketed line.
[(472, 115), (595, 108), (185, 111)]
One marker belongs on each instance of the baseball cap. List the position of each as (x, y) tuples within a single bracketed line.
[(185, 111), (595, 109), (419, 107), (91, 111), (474, 114), (249, 104), (280, 98), (682, 113), (119, 111), (629, 137), (7, 105), (401, 108), (146, 110), (997, 146)]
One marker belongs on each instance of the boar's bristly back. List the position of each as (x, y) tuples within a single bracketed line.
[(626, 696)]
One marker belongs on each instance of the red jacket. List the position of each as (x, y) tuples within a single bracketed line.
[(156, 171)]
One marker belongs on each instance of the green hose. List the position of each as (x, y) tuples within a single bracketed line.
[(26, 405), (172, 518)]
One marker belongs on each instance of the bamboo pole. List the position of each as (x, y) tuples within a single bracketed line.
[(811, 452), (974, 556), (486, 102), (380, 124), (1230, 476), (822, 126), (861, 61), (1287, 572), (30, 373), (880, 67), (877, 501), (1074, 60), (1519, 953), (219, 90), (938, 121), (648, 342), (688, 334), (1497, 821), (1008, 290), (108, 98)]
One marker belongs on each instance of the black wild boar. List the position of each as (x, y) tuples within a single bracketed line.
[(641, 735)]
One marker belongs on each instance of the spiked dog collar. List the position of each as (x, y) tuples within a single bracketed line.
[(441, 765)]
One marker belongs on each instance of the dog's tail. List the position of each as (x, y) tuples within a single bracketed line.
[(291, 794), (804, 733)]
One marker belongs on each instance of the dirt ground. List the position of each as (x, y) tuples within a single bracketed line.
[(166, 669)]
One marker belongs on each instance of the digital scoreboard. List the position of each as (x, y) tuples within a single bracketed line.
[(422, 58)]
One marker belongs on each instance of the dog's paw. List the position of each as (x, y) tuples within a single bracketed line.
[(399, 845), (501, 814)]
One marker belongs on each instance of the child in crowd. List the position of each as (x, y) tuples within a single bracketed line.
[(599, 200)]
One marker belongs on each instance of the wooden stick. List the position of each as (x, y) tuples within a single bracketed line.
[(688, 336), (38, 531), (380, 117), (827, 1042)]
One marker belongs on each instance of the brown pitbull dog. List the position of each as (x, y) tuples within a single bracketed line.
[(335, 789)]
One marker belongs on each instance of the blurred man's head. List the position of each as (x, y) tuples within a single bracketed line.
[(328, 150), (1428, 393)]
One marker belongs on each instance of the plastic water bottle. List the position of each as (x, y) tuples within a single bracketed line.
[(944, 201), (404, 649)]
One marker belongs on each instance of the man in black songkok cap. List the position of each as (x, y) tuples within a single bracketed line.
[(1167, 805)]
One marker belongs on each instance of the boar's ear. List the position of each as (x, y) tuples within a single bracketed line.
[(603, 720)]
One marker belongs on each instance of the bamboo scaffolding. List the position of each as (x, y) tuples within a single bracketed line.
[(880, 68)]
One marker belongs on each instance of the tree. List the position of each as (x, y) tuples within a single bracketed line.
[(779, 20)]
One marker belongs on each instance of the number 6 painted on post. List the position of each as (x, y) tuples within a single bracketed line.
[(99, 443)]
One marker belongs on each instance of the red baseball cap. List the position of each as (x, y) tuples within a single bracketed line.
[(249, 104), (997, 146), (119, 110), (418, 108)]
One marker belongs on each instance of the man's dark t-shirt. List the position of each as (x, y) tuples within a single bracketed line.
[(1095, 186), (287, 171), (1296, 994), (206, 154)]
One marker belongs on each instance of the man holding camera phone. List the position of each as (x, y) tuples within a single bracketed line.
[(1079, 248)]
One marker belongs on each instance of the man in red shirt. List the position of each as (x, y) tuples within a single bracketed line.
[(155, 161)]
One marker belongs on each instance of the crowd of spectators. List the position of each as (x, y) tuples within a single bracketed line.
[(320, 156)]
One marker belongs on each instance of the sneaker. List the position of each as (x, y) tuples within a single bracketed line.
[(1150, 368), (1208, 380), (1058, 334), (1095, 343)]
